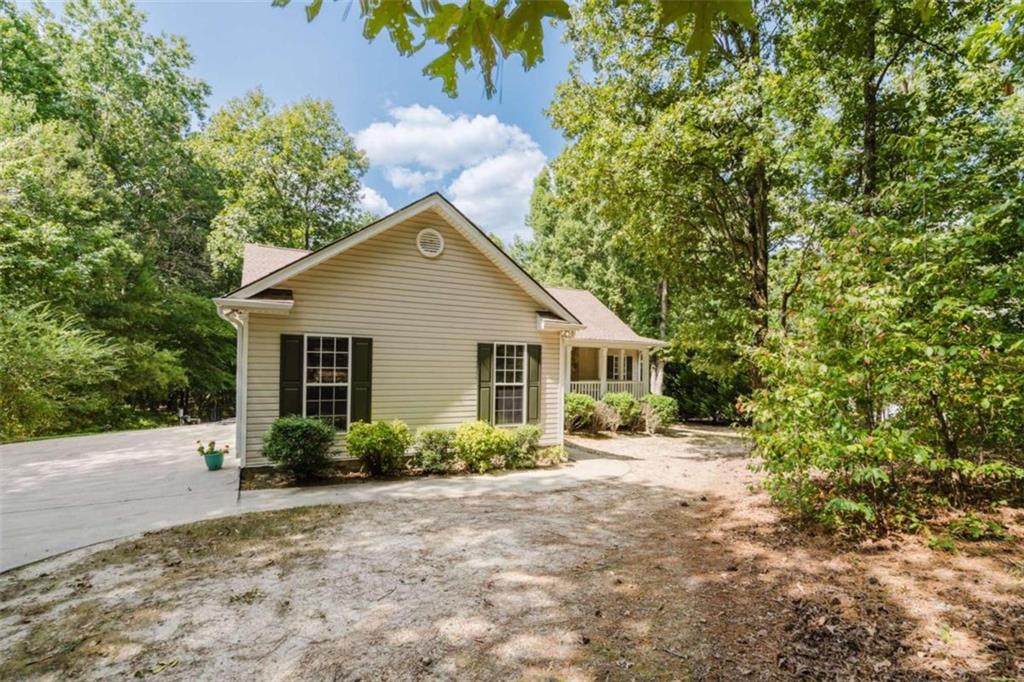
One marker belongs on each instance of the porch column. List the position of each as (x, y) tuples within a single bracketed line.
[(602, 369), (567, 368), (647, 371)]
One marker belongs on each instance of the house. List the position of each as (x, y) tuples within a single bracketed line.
[(418, 316)]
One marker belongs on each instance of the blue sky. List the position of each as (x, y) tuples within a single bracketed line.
[(483, 154)]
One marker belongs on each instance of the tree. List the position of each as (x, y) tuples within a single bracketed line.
[(478, 34), (52, 372), (289, 178), (104, 214), (897, 383)]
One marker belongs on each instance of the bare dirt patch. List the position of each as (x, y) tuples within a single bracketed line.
[(676, 571)]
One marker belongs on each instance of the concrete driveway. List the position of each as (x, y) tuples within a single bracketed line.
[(65, 493)]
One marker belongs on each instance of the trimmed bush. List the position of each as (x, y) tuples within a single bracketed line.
[(579, 411), (658, 411), (627, 406), (380, 446), (299, 445), (525, 438), (549, 456), (482, 447), (606, 418), (435, 451)]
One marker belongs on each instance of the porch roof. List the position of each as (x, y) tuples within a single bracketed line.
[(600, 323)]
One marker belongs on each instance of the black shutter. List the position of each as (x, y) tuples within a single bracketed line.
[(361, 380), (485, 386), (290, 387), (533, 383)]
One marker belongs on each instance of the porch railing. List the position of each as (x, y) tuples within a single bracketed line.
[(594, 390)]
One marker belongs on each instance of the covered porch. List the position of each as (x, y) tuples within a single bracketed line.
[(596, 370)]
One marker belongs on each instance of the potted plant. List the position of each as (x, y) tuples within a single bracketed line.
[(213, 455)]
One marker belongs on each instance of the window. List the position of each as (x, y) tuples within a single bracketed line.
[(629, 368), (326, 379), (509, 384), (612, 373)]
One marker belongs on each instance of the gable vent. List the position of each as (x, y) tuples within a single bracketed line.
[(430, 242)]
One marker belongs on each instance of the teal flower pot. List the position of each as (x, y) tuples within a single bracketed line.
[(214, 461)]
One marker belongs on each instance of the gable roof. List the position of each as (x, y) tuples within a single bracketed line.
[(259, 260), (600, 323), (434, 201)]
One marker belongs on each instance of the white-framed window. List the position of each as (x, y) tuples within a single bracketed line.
[(327, 364), (509, 384), (628, 374)]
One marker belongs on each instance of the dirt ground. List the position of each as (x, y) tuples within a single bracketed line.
[(675, 571)]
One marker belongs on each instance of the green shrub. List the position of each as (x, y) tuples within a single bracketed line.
[(579, 411), (658, 411), (606, 418), (435, 451), (971, 527), (550, 455), (482, 447), (299, 445), (525, 440), (380, 446), (627, 406)]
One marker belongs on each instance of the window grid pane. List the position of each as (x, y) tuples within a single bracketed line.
[(327, 379), (509, 383)]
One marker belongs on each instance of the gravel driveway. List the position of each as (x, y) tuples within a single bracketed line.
[(63, 493)]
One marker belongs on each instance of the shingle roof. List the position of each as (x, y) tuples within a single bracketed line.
[(600, 322), (259, 260)]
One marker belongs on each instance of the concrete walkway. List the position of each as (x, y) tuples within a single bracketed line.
[(582, 469), (62, 494)]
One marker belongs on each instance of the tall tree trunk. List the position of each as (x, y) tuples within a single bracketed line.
[(757, 228), (657, 362), (870, 88)]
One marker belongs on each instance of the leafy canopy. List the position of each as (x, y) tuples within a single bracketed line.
[(476, 34)]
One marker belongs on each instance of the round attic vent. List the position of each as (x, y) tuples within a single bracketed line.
[(430, 242)]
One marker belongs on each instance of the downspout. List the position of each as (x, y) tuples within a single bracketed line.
[(239, 319)]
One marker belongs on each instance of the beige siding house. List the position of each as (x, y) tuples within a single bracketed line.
[(418, 317)]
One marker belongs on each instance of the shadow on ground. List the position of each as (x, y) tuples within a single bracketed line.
[(640, 578)]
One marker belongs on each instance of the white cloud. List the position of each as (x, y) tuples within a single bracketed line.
[(371, 200), (410, 180), (495, 193), (489, 166)]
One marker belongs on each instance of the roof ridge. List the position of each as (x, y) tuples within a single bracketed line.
[(279, 248)]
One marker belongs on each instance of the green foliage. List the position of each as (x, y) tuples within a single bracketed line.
[(287, 178), (704, 396), (211, 448), (627, 407), (579, 411), (972, 528), (299, 445), (435, 451), (658, 411), (105, 212), (483, 35), (525, 440), (482, 447), (550, 455), (380, 446), (54, 375)]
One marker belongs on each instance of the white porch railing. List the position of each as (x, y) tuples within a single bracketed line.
[(593, 388)]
